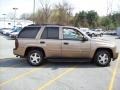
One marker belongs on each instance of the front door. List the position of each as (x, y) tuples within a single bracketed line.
[(72, 44)]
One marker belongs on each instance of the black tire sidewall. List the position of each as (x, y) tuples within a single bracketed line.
[(35, 51), (96, 58)]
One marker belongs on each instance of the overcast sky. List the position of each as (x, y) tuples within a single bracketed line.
[(26, 6)]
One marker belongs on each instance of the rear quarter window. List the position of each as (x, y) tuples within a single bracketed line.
[(29, 32)]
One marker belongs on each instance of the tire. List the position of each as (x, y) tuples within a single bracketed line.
[(35, 58), (102, 58)]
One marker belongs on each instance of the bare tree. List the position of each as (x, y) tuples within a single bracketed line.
[(10, 15), (45, 11), (62, 13), (25, 16), (58, 14)]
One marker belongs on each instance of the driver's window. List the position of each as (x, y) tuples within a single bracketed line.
[(71, 34)]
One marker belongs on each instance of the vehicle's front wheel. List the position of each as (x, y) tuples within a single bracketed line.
[(102, 58), (35, 58)]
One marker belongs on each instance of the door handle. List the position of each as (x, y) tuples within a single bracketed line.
[(42, 42), (65, 43)]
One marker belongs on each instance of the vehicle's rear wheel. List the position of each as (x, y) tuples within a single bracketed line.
[(35, 58), (102, 58)]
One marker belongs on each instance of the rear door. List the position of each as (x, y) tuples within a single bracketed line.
[(50, 41)]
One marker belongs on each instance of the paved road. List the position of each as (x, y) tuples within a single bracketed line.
[(6, 47), (16, 74)]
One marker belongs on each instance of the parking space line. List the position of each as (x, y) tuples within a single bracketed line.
[(114, 72), (20, 76), (54, 79)]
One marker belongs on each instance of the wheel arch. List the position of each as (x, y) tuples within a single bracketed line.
[(28, 49), (107, 49)]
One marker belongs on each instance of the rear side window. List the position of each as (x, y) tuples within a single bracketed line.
[(29, 32), (50, 33)]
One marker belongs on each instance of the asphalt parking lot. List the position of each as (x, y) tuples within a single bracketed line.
[(16, 74)]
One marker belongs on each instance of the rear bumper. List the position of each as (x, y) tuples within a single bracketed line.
[(18, 52), (15, 52)]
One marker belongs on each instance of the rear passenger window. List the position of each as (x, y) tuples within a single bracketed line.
[(29, 32), (50, 33)]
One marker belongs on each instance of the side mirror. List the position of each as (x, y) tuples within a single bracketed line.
[(90, 35), (84, 39)]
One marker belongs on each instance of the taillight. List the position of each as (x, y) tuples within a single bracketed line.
[(16, 44)]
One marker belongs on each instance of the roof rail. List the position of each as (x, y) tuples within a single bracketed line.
[(34, 25), (44, 24)]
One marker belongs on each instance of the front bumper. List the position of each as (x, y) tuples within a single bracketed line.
[(115, 55)]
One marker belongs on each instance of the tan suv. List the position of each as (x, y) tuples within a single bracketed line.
[(40, 42)]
